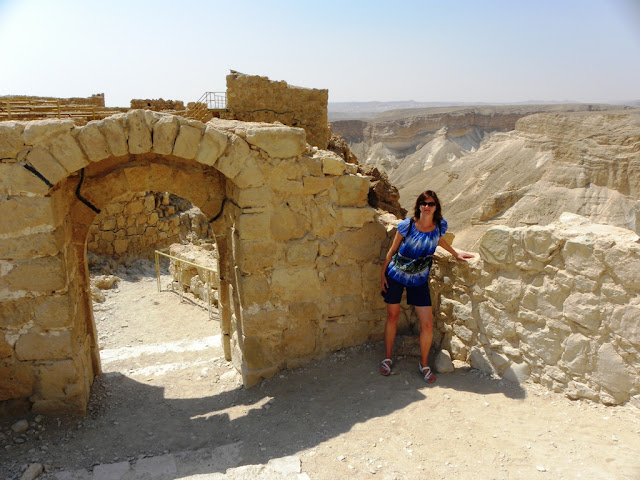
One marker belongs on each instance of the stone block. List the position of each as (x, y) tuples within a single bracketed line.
[(252, 197), (352, 191), (115, 135), (262, 352), (541, 243), (305, 312), (37, 131), (11, 141), (497, 323), (579, 258), (352, 217), (576, 354), (285, 224), (443, 363), (297, 284), (165, 132), (254, 290), (517, 373), (278, 141), (212, 145), (67, 152), (17, 380), (360, 245), (313, 185), (333, 165), (15, 179), (612, 373), (625, 322), (54, 311), (302, 252), (585, 309), (56, 378), (46, 274), (256, 256), (188, 142), (624, 262), (40, 346), (98, 191), (495, 246), (253, 226), (139, 140), (232, 161), (344, 333), (93, 142), (343, 280), (251, 175), (478, 360), (505, 291), (47, 166), (30, 246), (345, 305), (541, 343)]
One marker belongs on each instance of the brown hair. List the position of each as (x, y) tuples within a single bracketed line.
[(437, 215)]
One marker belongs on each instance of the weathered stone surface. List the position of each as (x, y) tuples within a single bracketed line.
[(112, 471), (583, 309), (541, 243), (67, 152), (37, 131), (231, 163), (254, 290), (278, 141), (139, 140), (505, 291), (495, 247), (285, 224), (115, 135), (44, 274), (625, 321), (576, 354), (296, 284), (47, 166), (497, 324), (352, 190), (612, 373), (11, 141), (212, 145), (333, 165), (302, 252), (579, 258), (188, 142), (93, 142), (47, 243), (15, 179), (251, 175), (40, 346), (624, 263), (517, 373), (359, 245), (17, 380), (443, 363), (165, 132)]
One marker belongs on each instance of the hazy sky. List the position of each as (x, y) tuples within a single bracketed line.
[(361, 50)]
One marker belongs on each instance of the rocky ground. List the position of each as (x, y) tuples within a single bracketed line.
[(169, 406)]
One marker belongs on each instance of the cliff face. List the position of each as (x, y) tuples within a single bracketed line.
[(510, 165)]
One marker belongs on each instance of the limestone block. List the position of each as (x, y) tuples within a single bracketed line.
[(305, 312), (47, 166), (495, 246), (278, 141), (614, 292), (92, 141), (251, 175), (624, 263), (54, 311), (41, 346), (165, 132), (188, 142), (505, 291), (579, 258), (11, 141), (115, 135), (497, 323), (547, 301), (260, 322), (625, 322), (262, 352), (585, 309), (37, 131), (139, 140), (517, 373), (360, 245), (15, 179), (352, 217), (212, 145), (311, 166), (343, 280), (302, 252), (48, 243), (612, 373), (120, 245), (254, 226), (344, 333), (231, 162), (299, 341), (252, 197), (17, 380), (541, 243), (44, 274), (283, 185), (577, 390), (443, 363), (542, 343), (333, 165), (297, 284), (352, 190), (56, 378), (285, 224), (478, 360), (463, 333), (254, 290), (576, 354), (313, 185), (6, 349), (463, 313), (458, 349), (67, 152)]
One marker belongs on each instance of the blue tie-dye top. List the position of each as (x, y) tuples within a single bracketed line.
[(416, 244)]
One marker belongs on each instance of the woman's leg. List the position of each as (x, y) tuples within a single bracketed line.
[(425, 315), (391, 327)]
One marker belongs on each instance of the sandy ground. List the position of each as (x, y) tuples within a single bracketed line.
[(167, 390)]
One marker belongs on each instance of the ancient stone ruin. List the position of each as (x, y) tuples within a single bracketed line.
[(299, 254)]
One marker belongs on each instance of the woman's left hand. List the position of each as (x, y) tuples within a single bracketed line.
[(463, 256)]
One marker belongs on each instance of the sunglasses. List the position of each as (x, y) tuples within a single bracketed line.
[(427, 204)]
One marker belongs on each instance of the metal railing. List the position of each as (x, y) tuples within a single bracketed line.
[(214, 100), (180, 263)]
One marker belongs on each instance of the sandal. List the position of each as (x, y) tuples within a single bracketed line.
[(429, 376), (385, 367)]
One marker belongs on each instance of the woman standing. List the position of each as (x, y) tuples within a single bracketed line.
[(407, 265)]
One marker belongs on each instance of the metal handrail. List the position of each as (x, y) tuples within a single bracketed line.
[(214, 100)]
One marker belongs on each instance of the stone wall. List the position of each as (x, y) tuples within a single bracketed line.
[(252, 98), (140, 223), (97, 99), (559, 305), (157, 105)]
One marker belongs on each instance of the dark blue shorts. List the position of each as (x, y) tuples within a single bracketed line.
[(418, 296)]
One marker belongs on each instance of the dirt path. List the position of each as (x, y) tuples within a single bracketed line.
[(168, 394)]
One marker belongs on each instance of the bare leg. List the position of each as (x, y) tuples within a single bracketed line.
[(391, 327), (425, 314)]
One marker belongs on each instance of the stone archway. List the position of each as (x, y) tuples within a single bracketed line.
[(299, 246)]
